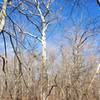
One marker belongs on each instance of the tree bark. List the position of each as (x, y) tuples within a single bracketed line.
[(3, 15), (44, 76)]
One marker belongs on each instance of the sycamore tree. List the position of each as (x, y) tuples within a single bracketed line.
[(24, 22), (37, 13)]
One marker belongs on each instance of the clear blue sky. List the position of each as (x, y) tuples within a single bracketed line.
[(90, 10), (57, 30)]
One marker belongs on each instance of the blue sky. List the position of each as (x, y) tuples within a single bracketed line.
[(65, 23), (58, 29)]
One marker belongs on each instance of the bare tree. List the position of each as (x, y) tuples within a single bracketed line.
[(36, 74)]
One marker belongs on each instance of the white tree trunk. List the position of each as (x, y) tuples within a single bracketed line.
[(3, 15), (44, 80), (43, 72)]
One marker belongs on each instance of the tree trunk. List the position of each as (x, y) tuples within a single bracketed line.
[(44, 77), (3, 15)]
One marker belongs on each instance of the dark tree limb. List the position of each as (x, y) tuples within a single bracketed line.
[(98, 2), (3, 67)]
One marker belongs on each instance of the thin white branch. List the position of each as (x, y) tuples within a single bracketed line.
[(97, 72), (34, 36)]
